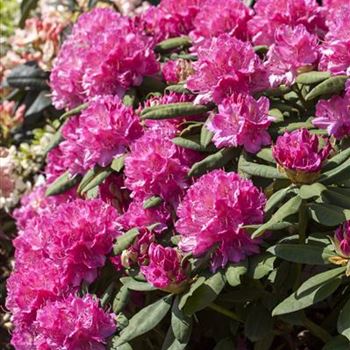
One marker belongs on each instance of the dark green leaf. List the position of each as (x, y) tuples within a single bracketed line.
[(206, 136), (261, 265), (343, 324), (26, 7), (62, 184), (235, 271), (121, 299), (302, 253), (313, 190), (276, 199), (258, 322), (205, 293), (56, 139), (189, 142), (178, 88), (74, 111), (313, 77), (225, 344), (125, 240), (336, 160), (327, 214), (337, 343), (180, 42), (99, 176), (336, 175), (145, 320), (42, 102), (193, 287), (139, 286), (152, 202), (332, 85), (181, 324)]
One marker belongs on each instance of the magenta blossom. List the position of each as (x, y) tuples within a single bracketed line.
[(176, 71), (105, 54), (334, 115), (213, 212), (137, 216), (295, 51), (225, 65), (103, 131), (76, 237), (164, 269), (73, 323), (342, 239), (218, 17), (156, 166), (242, 121), (299, 153), (271, 14)]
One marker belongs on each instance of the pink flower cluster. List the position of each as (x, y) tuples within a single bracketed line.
[(300, 152), (57, 249), (342, 239), (105, 54), (213, 212), (242, 120), (102, 131)]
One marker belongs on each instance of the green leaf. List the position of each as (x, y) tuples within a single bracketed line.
[(108, 294), (343, 324), (225, 344), (189, 142), (258, 322), (311, 292), (125, 240), (205, 293), (130, 98), (214, 161), (339, 199), (62, 184), (26, 7), (145, 320), (100, 175), (118, 163), (332, 85), (327, 214), (313, 77), (337, 343), (336, 175), (206, 136), (181, 324), (259, 49), (289, 208), (276, 199), (180, 42), (56, 139), (336, 160), (261, 265), (178, 88), (42, 102), (235, 271), (256, 169), (302, 253), (139, 286), (152, 202), (121, 299), (74, 111), (277, 114), (310, 191), (193, 287), (89, 175), (28, 75), (266, 155), (173, 110)]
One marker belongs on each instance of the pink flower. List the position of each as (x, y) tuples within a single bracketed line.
[(299, 153), (76, 237), (73, 323), (137, 253), (176, 71), (164, 269), (56, 163), (170, 19), (137, 216), (295, 50), (218, 17), (156, 166), (213, 212), (271, 14), (105, 54), (334, 115), (103, 131), (242, 121), (225, 65), (342, 239)]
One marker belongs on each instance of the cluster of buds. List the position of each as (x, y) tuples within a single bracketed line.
[(341, 243)]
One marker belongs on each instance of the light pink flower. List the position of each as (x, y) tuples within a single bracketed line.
[(242, 121), (73, 323), (342, 239), (295, 51), (271, 14), (156, 166), (300, 151), (218, 17), (334, 115), (213, 212), (103, 131), (105, 54), (164, 269), (225, 66)]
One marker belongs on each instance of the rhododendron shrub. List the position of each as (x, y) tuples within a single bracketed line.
[(196, 193)]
